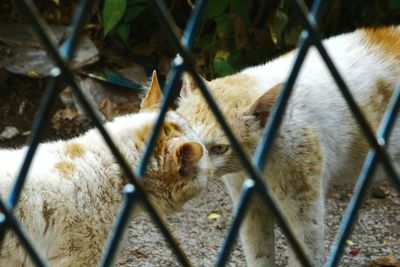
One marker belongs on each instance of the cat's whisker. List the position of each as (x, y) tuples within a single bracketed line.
[(216, 186)]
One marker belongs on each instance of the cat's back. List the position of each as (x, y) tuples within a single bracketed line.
[(360, 56), (369, 62)]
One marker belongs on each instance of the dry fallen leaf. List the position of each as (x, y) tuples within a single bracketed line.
[(25, 54), (26, 133), (213, 216), (22, 107), (108, 108), (33, 74), (135, 73), (63, 114), (139, 254), (389, 261), (384, 191), (126, 107), (214, 247), (350, 243)]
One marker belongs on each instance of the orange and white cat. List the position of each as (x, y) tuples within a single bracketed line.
[(319, 141), (74, 188)]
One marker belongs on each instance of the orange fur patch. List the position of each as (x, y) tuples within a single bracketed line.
[(142, 135), (382, 93), (162, 154), (377, 102), (75, 150), (168, 130), (387, 39), (374, 110), (66, 169), (307, 170), (262, 107), (232, 103)]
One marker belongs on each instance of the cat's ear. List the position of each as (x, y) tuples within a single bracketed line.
[(153, 96), (188, 153), (188, 84), (262, 106)]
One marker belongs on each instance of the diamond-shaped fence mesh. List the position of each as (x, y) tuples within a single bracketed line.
[(134, 193)]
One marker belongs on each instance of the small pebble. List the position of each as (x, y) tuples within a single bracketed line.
[(9, 132)]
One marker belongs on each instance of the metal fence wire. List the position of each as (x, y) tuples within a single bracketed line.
[(62, 75)]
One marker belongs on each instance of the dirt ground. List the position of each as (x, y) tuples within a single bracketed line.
[(376, 234), (19, 100)]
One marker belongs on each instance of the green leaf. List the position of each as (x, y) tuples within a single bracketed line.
[(222, 67), (123, 31), (221, 64), (277, 26), (133, 12), (113, 11), (216, 8), (241, 8), (224, 24)]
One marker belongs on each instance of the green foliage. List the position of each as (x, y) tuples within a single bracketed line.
[(117, 15), (222, 14), (113, 11), (237, 33), (123, 31), (224, 24), (221, 64)]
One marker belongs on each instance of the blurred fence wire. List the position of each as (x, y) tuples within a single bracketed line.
[(62, 75)]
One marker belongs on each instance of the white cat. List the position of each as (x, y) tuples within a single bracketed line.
[(318, 142), (74, 188)]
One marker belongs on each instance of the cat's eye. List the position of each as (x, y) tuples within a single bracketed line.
[(219, 149)]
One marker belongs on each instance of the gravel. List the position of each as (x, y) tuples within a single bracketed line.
[(376, 234)]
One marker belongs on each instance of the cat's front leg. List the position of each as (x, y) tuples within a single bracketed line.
[(257, 229), (304, 208), (310, 228), (257, 235)]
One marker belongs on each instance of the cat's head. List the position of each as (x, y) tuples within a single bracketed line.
[(245, 110), (179, 167)]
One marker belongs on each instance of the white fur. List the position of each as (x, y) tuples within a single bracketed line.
[(80, 208), (319, 141), (317, 101)]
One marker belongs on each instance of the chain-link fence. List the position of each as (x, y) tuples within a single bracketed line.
[(254, 185)]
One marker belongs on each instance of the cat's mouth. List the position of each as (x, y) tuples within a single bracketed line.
[(193, 190), (174, 200), (188, 191)]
